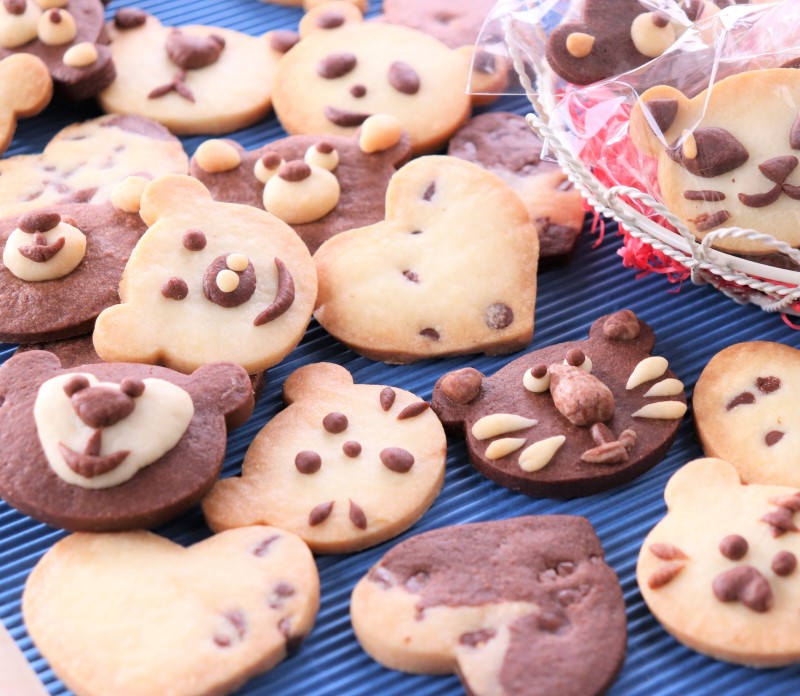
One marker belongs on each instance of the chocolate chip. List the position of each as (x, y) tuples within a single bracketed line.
[(261, 549), (132, 386), (358, 91), (55, 17), (294, 171), (462, 386), (194, 240), (718, 152), (575, 357), (539, 371), (767, 385), (410, 275), (357, 516), (784, 563), (773, 437), (129, 18), (745, 398), (429, 192), (325, 147), (335, 422), (744, 584), (320, 513), (704, 195), (413, 410), (706, 221), (75, 384), (432, 334), (498, 316), (663, 112), (351, 448), (330, 20), (387, 398), (403, 78), (175, 289), (15, 7), (733, 547), (344, 118), (484, 63), (308, 462), (336, 65), (781, 521), (659, 19), (271, 160), (397, 459), (666, 552), (38, 221), (475, 638), (283, 40)]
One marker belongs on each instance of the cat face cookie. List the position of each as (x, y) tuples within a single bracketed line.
[(319, 185), (522, 607), (571, 419), (720, 570), (112, 446), (344, 467), (86, 161), (162, 631), (504, 144), (68, 36), (448, 272), (715, 167), (193, 79), (208, 281), (25, 89)]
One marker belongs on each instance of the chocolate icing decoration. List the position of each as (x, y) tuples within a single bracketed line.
[(177, 85), (663, 112), (15, 7), (295, 171), (410, 275), (358, 91), (734, 547), (475, 638), (707, 221), (357, 516), (499, 316), (284, 297), (243, 292), (351, 449), (430, 192), (745, 398), (659, 19), (283, 40), (403, 78), (90, 463), (270, 159), (175, 289), (397, 459), (102, 407), (784, 563), (320, 513), (237, 621), (704, 195), (308, 462), (387, 398), (330, 20), (413, 410), (38, 221), (767, 385), (744, 584), (759, 200), (781, 521), (335, 422), (665, 574), (75, 384), (280, 592), (132, 386), (667, 552), (40, 251), (773, 437), (718, 152), (575, 357), (344, 118), (262, 548), (193, 52), (129, 18), (693, 8), (54, 16), (430, 333), (778, 169), (194, 240), (325, 147), (336, 65)]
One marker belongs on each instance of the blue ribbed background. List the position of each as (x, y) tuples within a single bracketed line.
[(691, 325)]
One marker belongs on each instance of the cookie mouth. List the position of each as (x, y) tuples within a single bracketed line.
[(91, 465), (40, 251), (345, 118), (759, 200)]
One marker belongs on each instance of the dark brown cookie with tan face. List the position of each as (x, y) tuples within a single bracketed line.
[(61, 267), (522, 607), (69, 36), (346, 177), (504, 144), (571, 419), (116, 446)]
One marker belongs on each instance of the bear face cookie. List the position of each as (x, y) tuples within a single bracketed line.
[(60, 268), (193, 79), (448, 272), (571, 419), (86, 161), (744, 410), (344, 467), (184, 621), (25, 89), (319, 185), (208, 281), (112, 446), (720, 570), (68, 36), (715, 167), (521, 607)]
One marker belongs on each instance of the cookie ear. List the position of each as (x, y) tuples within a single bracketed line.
[(224, 388), (657, 119), (689, 487), (312, 379), (171, 192), (40, 365), (455, 394), (329, 16), (623, 327), (488, 74)]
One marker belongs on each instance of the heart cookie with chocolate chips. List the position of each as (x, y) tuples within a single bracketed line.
[(190, 621), (571, 419), (344, 467), (720, 570)]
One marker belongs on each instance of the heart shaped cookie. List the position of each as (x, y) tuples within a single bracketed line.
[(451, 270), (134, 613)]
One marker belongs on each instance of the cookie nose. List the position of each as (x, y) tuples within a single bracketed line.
[(102, 407), (778, 169)]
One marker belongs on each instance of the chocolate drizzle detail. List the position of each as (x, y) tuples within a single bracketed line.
[(284, 297), (744, 584), (90, 462), (40, 251), (743, 399), (241, 294)]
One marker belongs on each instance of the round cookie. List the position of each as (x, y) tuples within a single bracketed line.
[(454, 22), (571, 419), (190, 621), (344, 467), (86, 161), (25, 90), (504, 144), (520, 607), (447, 272), (720, 570), (208, 281), (107, 447), (193, 79)]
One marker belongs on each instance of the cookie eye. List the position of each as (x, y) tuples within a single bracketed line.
[(403, 78), (537, 379), (708, 152), (336, 65)]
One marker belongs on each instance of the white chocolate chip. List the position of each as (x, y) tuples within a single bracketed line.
[(57, 27), (650, 39), (127, 195), (298, 202), (689, 145), (80, 55), (263, 173), (666, 387), (500, 424), (662, 410), (215, 156), (17, 30), (539, 454), (48, 4), (537, 385), (648, 369), (580, 45), (61, 264), (500, 448), (237, 262), (326, 160), (227, 280), (379, 132), (586, 365)]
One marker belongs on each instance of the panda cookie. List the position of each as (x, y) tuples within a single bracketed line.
[(207, 282), (720, 570), (171, 620), (715, 167), (86, 161), (112, 446), (344, 467), (571, 419), (520, 607), (345, 70), (449, 271), (68, 36), (193, 79), (504, 144), (320, 185), (25, 90)]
